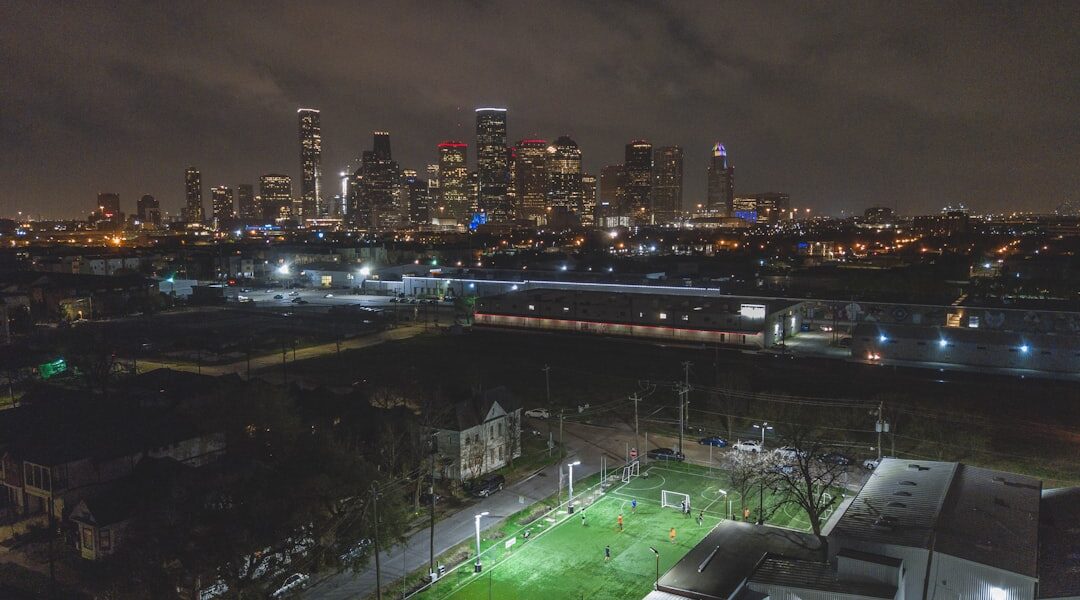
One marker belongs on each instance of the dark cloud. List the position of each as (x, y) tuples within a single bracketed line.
[(842, 105)]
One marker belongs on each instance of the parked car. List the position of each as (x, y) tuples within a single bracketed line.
[(293, 583), (715, 441), (328, 295), (872, 463), (538, 413), (357, 550), (294, 293), (748, 446), (666, 454), (782, 469), (835, 458), (486, 487), (278, 297), (789, 453)]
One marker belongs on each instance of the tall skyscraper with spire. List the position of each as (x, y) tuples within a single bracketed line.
[(721, 189), (311, 204), (667, 184), (493, 166), (637, 170), (193, 206)]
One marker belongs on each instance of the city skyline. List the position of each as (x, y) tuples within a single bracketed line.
[(840, 109)]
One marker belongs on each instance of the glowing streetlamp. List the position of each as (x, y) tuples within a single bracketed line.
[(477, 567), (570, 500)]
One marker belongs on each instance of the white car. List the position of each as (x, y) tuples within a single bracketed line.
[(789, 453), (872, 463), (293, 583), (538, 413), (747, 446)]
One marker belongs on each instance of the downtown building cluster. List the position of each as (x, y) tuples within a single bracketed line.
[(532, 182)]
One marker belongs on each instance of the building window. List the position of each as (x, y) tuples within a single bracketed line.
[(88, 538), (686, 317), (532, 307), (105, 540), (663, 316), (566, 309)]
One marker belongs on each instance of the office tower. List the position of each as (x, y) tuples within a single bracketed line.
[(493, 169), (108, 205), (588, 199), (221, 201), (530, 172), (721, 189), (638, 180), (667, 191), (416, 193), (772, 207), (454, 182), (148, 211), (745, 208), (247, 206), (193, 208), (311, 204), (434, 200), (379, 202), (611, 210), (564, 176), (276, 196)]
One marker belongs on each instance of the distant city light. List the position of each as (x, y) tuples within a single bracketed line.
[(365, 271), (942, 343), (283, 270), (882, 338), (1024, 348)]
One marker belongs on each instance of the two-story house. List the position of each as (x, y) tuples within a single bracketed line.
[(481, 435)]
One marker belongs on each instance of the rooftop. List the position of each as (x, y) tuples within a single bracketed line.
[(814, 575)]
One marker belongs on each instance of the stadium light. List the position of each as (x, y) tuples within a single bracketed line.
[(365, 271), (570, 499), (283, 270), (763, 427), (478, 566)]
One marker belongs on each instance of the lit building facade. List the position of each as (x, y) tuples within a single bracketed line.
[(246, 205), (415, 189), (311, 204), (667, 184), (721, 184), (493, 165), (193, 205), (454, 182), (530, 170), (611, 208), (588, 199), (276, 196), (564, 176), (638, 181), (377, 199), (221, 201)]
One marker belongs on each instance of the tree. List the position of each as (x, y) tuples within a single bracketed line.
[(810, 483)]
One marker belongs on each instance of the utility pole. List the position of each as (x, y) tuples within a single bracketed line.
[(562, 413), (547, 405), (378, 567), (682, 413), (431, 490), (636, 399), (882, 426)]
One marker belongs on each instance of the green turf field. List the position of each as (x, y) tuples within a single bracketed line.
[(564, 559)]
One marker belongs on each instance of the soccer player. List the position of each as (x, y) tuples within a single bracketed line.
[(620, 521), (700, 516), (633, 505), (582, 518), (607, 553), (671, 535)]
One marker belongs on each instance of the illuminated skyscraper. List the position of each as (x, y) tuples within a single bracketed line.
[(148, 211), (454, 181), (530, 170), (246, 205), (721, 190), (638, 181), (667, 192), (193, 208), (276, 196), (588, 199), (611, 209), (416, 194), (564, 176), (221, 199), (378, 205), (311, 204), (493, 170)]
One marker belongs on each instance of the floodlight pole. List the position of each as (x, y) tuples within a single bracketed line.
[(656, 584), (570, 497), (478, 567)]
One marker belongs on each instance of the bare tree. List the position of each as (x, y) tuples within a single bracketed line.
[(811, 477)]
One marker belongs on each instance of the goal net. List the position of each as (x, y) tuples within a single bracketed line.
[(677, 500), (631, 470)]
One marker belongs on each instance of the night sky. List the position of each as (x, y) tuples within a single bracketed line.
[(843, 105)]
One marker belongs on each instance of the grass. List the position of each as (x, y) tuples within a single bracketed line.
[(564, 559)]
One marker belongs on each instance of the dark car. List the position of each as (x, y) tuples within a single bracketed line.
[(718, 442), (666, 454), (483, 488), (835, 458)]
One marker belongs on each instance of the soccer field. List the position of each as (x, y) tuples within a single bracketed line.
[(564, 559)]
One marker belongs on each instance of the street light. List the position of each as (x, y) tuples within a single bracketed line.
[(763, 427), (656, 585), (365, 271), (477, 567), (570, 499)]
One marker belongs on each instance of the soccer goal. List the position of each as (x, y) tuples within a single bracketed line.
[(631, 470), (677, 500)]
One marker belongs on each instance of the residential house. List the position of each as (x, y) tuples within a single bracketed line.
[(482, 435)]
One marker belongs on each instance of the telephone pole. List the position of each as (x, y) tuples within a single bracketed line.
[(637, 445), (882, 426), (378, 567), (682, 390)]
